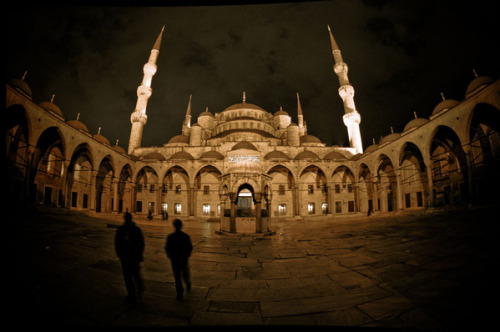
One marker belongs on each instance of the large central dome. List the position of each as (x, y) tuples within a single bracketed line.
[(241, 106)]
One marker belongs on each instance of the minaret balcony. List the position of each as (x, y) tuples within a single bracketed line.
[(144, 91), (351, 118), (137, 116), (346, 90)]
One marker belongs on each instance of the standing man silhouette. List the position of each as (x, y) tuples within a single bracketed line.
[(178, 248), (129, 247)]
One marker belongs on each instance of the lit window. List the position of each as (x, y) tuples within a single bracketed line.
[(282, 209), (310, 208), (324, 208), (178, 189), (206, 209), (177, 208), (310, 189)]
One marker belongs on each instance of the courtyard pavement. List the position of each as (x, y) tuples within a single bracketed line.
[(427, 271)]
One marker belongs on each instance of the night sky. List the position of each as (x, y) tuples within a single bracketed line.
[(401, 56)]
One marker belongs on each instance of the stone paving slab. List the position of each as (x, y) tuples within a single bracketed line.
[(423, 272)]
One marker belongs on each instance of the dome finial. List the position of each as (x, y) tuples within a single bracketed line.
[(24, 75), (474, 71), (117, 142), (52, 99), (99, 131), (373, 140), (442, 96), (78, 117), (415, 114), (392, 130), (244, 97)]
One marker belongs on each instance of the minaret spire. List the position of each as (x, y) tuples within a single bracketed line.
[(139, 117), (351, 117), (186, 126), (300, 118)]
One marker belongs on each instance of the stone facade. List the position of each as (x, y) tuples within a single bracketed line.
[(244, 165)]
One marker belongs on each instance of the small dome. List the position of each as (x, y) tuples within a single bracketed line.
[(183, 155), (305, 155), (206, 113), (78, 125), (101, 139), (119, 149), (51, 107), (281, 112), (276, 155), (309, 139), (390, 138), (415, 123), (371, 148), (334, 155), (154, 156), (444, 105), (212, 155), (21, 85), (477, 83), (179, 139), (244, 145)]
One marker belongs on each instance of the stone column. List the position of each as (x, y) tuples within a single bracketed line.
[(132, 197), (398, 191), (191, 201), (375, 205), (430, 185), (258, 213), (116, 199), (93, 189), (158, 199), (232, 225)]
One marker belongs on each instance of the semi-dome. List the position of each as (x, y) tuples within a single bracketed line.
[(52, 108), (309, 139), (154, 156), (244, 145), (183, 155), (77, 124), (415, 123), (477, 84), (100, 138), (334, 155), (212, 155), (21, 85), (276, 155), (444, 105), (390, 138), (306, 155), (179, 139)]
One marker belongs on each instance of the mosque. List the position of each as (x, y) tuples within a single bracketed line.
[(244, 166)]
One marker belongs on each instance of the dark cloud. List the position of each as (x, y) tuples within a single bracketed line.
[(401, 55)]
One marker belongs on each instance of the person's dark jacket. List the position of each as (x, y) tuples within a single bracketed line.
[(178, 247), (129, 242)]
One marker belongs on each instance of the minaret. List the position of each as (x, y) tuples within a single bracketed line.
[(186, 126), (139, 117), (346, 92), (300, 117)]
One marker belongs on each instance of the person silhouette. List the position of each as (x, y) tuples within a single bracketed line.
[(178, 248), (129, 247)]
